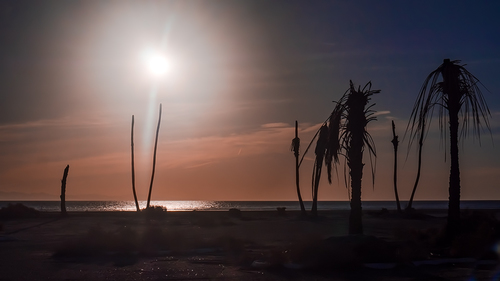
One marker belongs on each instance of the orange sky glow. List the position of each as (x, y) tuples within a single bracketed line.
[(241, 75)]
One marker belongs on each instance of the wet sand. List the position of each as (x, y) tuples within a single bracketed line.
[(220, 245)]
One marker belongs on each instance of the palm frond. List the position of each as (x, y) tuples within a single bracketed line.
[(352, 100), (474, 111)]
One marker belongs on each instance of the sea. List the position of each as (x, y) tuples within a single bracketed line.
[(99, 206)]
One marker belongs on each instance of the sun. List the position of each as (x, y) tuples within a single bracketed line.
[(156, 63)]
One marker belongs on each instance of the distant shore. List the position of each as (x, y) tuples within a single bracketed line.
[(201, 205)]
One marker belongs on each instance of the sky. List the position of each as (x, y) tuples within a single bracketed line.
[(72, 76)]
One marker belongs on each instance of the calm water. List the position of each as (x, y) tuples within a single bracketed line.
[(90, 206)]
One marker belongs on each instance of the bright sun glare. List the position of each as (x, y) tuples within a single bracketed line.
[(156, 63)]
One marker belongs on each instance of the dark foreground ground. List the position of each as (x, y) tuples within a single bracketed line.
[(245, 246)]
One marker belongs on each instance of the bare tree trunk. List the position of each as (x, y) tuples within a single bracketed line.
[(296, 148), (154, 159), (355, 163), (453, 92), (453, 223), (356, 122), (395, 143), (316, 177), (320, 155), (420, 146), (133, 167), (63, 191)]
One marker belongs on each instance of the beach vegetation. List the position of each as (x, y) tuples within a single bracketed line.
[(155, 210), (235, 213), (18, 210), (151, 240), (455, 93), (281, 211)]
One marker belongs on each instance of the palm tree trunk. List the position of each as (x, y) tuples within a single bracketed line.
[(420, 146), (320, 156), (454, 189), (316, 177), (452, 91), (355, 163), (395, 143)]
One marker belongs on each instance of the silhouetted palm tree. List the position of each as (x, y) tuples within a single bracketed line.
[(344, 133), (352, 140), (459, 94)]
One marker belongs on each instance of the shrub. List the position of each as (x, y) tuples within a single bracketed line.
[(234, 212), (18, 211), (281, 211), (155, 211)]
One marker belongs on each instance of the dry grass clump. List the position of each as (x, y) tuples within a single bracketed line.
[(149, 241), (235, 213), (281, 211), (18, 210), (341, 252), (418, 243), (208, 220), (479, 232), (155, 211)]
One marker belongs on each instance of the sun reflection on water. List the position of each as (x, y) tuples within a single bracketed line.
[(170, 205)]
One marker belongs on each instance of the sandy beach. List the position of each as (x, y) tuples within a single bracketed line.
[(222, 245)]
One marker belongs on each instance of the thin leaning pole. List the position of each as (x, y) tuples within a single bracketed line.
[(296, 151), (154, 159), (133, 168), (63, 191)]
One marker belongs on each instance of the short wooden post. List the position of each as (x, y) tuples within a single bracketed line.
[(63, 191), (395, 143)]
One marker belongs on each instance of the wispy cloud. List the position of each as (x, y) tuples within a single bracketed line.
[(275, 125), (383, 112)]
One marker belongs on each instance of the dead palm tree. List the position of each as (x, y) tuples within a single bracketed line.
[(458, 94), (320, 151), (318, 164)]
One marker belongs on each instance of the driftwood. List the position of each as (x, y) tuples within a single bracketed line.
[(63, 191)]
